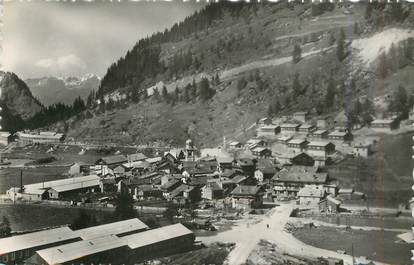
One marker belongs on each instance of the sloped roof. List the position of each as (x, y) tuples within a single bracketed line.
[(152, 236), (36, 239), (116, 228), (73, 251), (266, 166), (243, 190), (136, 157), (297, 141), (319, 143), (301, 174), (115, 159)]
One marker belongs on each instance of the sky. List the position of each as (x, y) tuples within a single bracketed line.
[(50, 38)]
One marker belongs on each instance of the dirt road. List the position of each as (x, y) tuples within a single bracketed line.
[(248, 232)]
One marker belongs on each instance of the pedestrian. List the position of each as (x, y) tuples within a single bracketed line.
[(267, 225)]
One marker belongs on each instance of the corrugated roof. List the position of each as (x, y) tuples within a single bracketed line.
[(116, 228), (64, 184), (156, 235), (36, 239), (76, 250)]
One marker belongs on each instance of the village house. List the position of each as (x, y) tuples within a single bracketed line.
[(321, 149), (252, 143), (289, 128), (324, 123), (261, 152), (319, 134), (297, 145), (143, 192), (79, 168), (174, 155), (136, 157), (284, 139), (224, 163), (310, 196), (106, 164), (288, 181), (5, 138), (246, 197), (212, 191), (385, 125), (168, 187), (361, 150), (265, 121), (265, 170), (246, 165), (235, 145), (329, 205), (302, 116), (268, 130), (306, 128), (344, 136), (243, 180), (302, 159)]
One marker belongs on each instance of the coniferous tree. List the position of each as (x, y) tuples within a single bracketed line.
[(330, 94), (165, 95), (204, 90), (382, 68), (340, 46), (296, 54), (296, 86)]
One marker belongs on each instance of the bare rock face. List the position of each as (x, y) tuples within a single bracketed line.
[(16, 97)]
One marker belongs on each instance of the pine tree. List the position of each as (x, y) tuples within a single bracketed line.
[(382, 68), (5, 229), (204, 89), (156, 94), (296, 54), (296, 86), (186, 96), (165, 95), (330, 94), (340, 46)]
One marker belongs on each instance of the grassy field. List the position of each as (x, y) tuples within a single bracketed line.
[(385, 177), (376, 245)]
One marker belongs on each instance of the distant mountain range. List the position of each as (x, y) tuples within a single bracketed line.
[(50, 90)]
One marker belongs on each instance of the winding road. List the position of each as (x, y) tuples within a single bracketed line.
[(248, 232)]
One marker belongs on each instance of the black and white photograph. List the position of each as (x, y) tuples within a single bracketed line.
[(206, 132)]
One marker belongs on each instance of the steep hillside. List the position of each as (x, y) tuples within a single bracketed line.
[(16, 100), (51, 90), (217, 72)]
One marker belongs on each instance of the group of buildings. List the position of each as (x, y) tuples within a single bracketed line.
[(127, 242), (31, 137)]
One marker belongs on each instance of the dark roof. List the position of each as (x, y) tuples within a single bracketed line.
[(213, 185), (146, 187), (170, 183), (116, 159), (245, 162), (177, 191), (239, 178), (246, 190), (197, 181), (266, 166), (301, 174)]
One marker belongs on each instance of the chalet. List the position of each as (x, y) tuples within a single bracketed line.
[(324, 123), (287, 182), (302, 159), (107, 163), (5, 138), (310, 196), (268, 130), (265, 170), (79, 168), (243, 180), (174, 155), (302, 116), (261, 152), (340, 136), (289, 127), (142, 192), (235, 145), (361, 150), (212, 191), (245, 197), (154, 160), (385, 125), (319, 134), (107, 184), (247, 165), (284, 139), (225, 163), (297, 145), (168, 187), (252, 143), (329, 205), (265, 121), (319, 148), (306, 128)]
